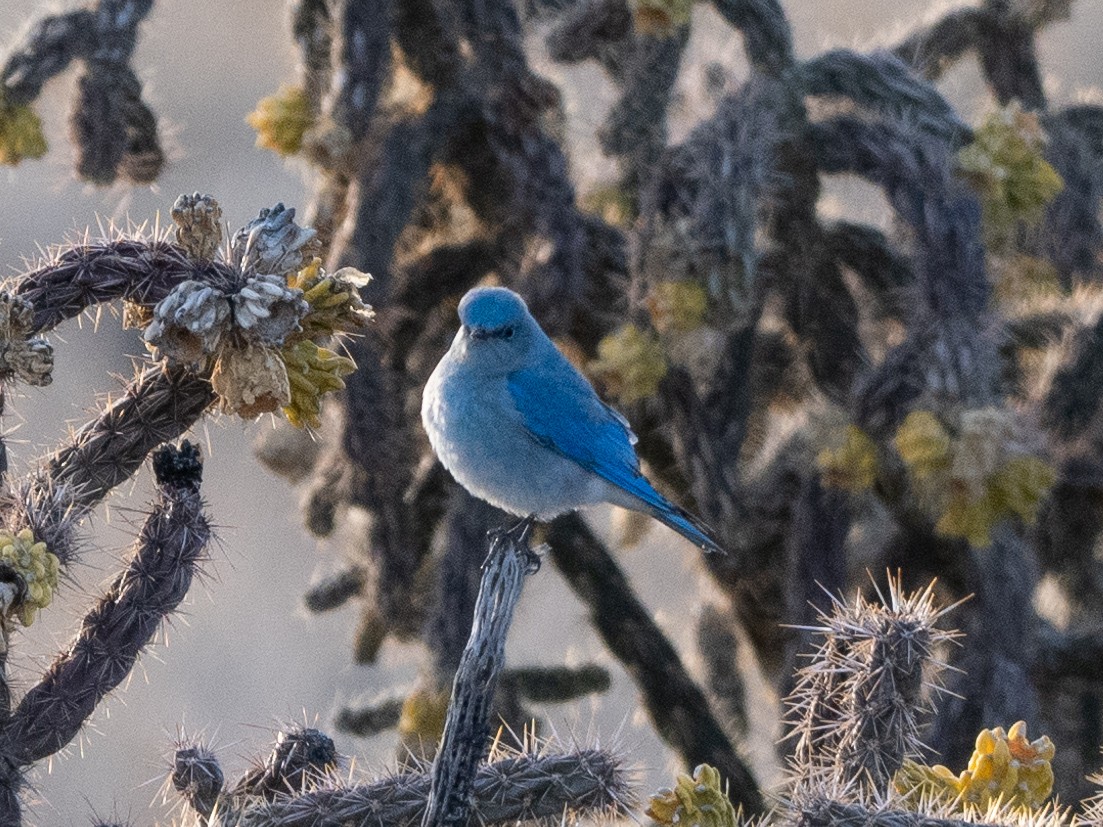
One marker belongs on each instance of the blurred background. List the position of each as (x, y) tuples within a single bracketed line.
[(244, 658)]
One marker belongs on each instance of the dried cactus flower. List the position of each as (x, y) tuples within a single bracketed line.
[(1005, 166), (198, 220), (273, 244), (251, 380), (35, 565), (1005, 767), (661, 18), (21, 134), (677, 306), (31, 359), (313, 371), (851, 464), (188, 323), (699, 800), (334, 300), (269, 308), (282, 119), (631, 363)]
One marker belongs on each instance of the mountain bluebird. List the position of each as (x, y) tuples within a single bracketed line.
[(518, 426)]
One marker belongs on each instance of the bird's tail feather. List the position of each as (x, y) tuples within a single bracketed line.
[(689, 526)]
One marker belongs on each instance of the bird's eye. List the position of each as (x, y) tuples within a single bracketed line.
[(508, 332)]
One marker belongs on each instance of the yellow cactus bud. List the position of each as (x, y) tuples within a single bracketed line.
[(677, 306), (334, 299), (313, 371), (852, 463), (422, 720), (923, 443), (631, 363), (1005, 767), (281, 120), (699, 800), (36, 565), (1021, 484), (918, 783), (970, 518), (1004, 164), (21, 134)]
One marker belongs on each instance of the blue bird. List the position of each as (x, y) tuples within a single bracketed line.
[(518, 426)]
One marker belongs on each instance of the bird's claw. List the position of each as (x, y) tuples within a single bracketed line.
[(519, 534)]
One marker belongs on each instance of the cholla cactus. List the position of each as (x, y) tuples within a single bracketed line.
[(855, 710)]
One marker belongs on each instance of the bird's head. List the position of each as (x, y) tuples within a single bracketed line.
[(497, 329)]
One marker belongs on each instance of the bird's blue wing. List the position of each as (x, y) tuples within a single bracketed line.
[(562, 412)]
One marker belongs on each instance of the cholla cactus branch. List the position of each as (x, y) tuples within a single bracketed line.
[(595, 29), (312, 28), (916, 176), (823, 811), (197, 777), (158, 405), (82, 276), (718, 646), (334, 591), (1001, 32), (364, 55), (301, 760), (467, 725), (882, 83), (521, 788), (883, 269), (556, 684), (367, 719), (1072, 401), (677, 706), (767, 38), (169, 549), (115, 131), (1073, 235), (635, 128)]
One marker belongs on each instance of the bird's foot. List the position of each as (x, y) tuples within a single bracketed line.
[(519, 533)]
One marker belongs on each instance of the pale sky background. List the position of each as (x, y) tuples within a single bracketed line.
[(245, 658)]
